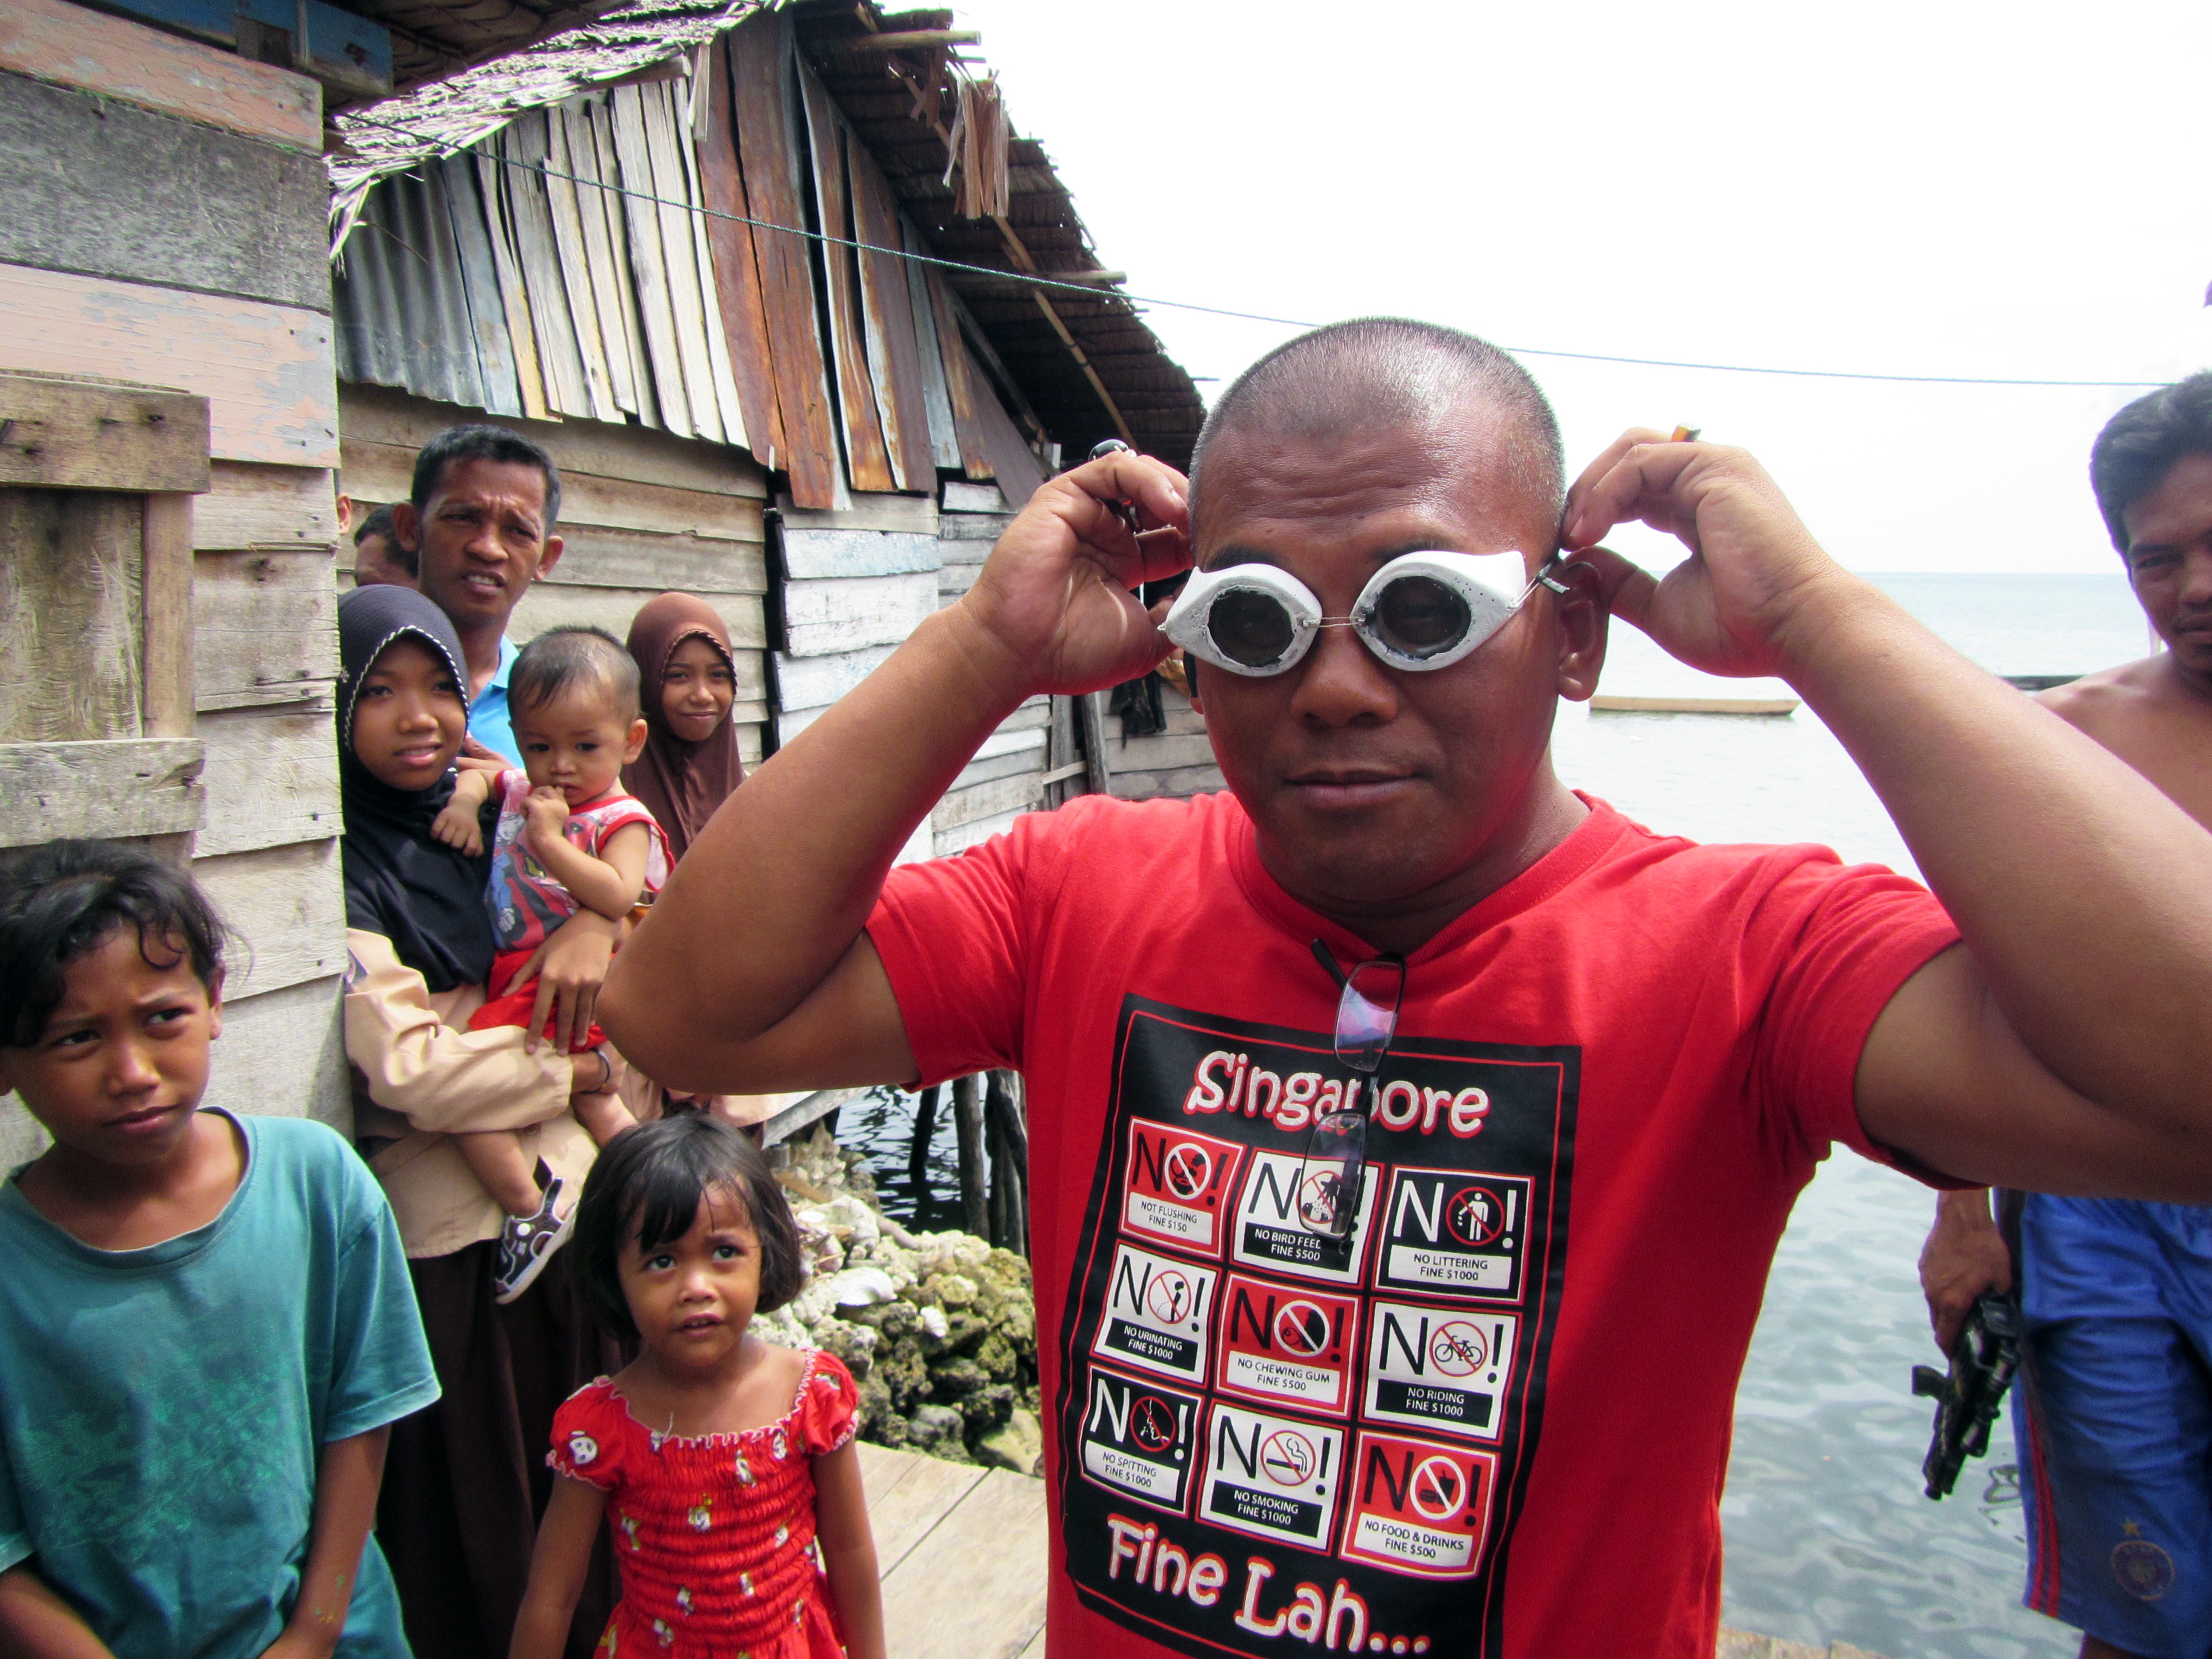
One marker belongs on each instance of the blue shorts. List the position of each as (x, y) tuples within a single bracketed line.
[(2114, 1420)]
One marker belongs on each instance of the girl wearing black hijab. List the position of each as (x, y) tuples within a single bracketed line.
[(458, 1512)]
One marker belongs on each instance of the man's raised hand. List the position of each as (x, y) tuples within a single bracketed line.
[(1054, 602), (1755, 578)]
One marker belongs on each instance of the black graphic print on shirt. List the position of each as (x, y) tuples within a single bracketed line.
[(1270, 1440)]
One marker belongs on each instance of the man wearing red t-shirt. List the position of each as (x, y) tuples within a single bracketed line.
[(1410, 1135)]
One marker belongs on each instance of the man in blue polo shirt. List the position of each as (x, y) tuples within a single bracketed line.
[(480, 523)]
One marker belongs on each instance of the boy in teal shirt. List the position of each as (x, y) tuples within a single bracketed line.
[(206, 1324)]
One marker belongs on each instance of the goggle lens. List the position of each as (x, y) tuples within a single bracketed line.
[(1421, 616), (1250, 627)]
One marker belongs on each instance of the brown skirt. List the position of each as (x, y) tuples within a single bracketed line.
[(465, 1479)]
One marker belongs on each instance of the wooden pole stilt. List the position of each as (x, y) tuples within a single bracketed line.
[(1094, 743), (1011, 1135), (925, 1125), (968, 1121), (1001, 1177)]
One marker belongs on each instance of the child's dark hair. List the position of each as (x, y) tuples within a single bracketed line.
[(572, 654), (62, 899), (648, 1184)]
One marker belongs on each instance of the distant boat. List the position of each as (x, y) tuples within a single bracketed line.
[(1694, 705)]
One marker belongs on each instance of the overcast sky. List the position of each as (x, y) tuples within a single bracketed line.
[(1948, 189)]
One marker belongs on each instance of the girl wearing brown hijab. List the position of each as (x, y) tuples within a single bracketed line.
[(689, 678)]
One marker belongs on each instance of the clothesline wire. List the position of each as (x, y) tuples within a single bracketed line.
[(1091, 291)]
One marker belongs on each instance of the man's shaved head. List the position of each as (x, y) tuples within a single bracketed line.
[(1376, 372)]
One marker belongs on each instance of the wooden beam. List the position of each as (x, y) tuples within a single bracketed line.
[(165, 597), (72, 45), (180, 204), (271, 777), (59, 432), (805, 1111), (1018, 252), (907, 40), (820, 554), (290, 903), (122, 786), (823, 618), (1100, 769), (264, 370), (70, 615)]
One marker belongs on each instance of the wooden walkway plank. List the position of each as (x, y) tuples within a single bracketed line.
[(974, 1587), (906, 1514)]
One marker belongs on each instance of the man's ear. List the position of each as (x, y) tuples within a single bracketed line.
[(407, 526), (638, 731), (548, 559), (1583, 623)]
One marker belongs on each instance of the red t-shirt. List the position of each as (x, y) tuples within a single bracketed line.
[(1497, 1421)]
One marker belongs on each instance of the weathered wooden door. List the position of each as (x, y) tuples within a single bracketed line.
[(96, 485)]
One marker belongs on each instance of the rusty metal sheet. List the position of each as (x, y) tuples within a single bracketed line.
[(867, 458), (894, 354), (1017, 469), (400, 300), (964, 382), (737, 269), (944, 439), (759, 51), (495, 366)]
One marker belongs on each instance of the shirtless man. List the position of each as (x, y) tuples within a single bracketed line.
[(2115, 1439)]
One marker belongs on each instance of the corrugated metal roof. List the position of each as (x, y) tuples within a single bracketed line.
[(1086, 364), (415, 300)]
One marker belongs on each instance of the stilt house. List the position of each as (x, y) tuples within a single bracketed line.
[(635, 241), (697, 252)]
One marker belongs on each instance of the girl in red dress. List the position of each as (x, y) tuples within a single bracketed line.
[(721, 1462)]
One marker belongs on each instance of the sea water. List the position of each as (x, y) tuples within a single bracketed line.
[(1829, 1535)]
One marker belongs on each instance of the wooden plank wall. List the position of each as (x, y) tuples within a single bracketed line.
[(1007, 776), (204, 269), (1177, 762), (852, 585), (641, 512)]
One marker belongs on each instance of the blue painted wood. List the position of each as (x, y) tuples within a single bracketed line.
[(813, 554), (349, 51)]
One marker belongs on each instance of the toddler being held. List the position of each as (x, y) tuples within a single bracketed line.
[(568, 838), (719, 1459)]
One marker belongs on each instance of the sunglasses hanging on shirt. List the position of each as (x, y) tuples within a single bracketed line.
[(1333, 1171), (1420, 611)]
